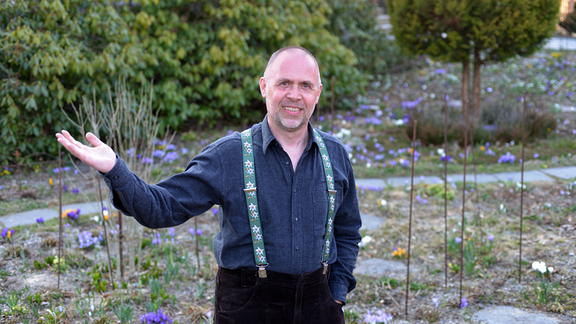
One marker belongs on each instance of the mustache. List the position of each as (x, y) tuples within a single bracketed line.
[(291, 103)]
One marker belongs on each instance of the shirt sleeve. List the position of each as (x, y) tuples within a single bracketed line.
[(173, 201), (347, 223)]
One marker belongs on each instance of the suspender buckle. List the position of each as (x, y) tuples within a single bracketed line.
[(262, 271), (332, 192), (250, 190), (325, 268)]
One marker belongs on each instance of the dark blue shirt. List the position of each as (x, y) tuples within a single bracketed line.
[(293, 204)]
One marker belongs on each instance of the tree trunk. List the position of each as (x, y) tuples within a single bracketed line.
[(465, 83), (476, 84)]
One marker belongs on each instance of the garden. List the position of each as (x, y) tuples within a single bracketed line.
[(112, 270)]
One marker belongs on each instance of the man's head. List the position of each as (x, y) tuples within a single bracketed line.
[(291, 85)]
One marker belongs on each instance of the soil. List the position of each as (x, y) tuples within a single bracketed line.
[(548, 235)]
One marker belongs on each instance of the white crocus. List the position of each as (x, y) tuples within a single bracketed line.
[(539, 266), (365, 240), (550, 269)]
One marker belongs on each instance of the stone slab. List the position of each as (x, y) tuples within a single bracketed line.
[(564, 173), (379, 267), (529, 176), (370, 222), (470, 178), (512, 315), (372, 184), (29, 217)]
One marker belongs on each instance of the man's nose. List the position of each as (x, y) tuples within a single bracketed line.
[(295, 93)]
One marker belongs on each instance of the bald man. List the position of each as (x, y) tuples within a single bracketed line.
[(288, 215)]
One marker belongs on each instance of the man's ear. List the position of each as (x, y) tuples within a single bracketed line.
[(263, 87), (318, 96)]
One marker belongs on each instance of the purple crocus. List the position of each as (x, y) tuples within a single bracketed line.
[(458, 240), (463, 303), (40, 220)]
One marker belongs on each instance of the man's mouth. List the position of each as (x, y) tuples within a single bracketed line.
[(292, 109)]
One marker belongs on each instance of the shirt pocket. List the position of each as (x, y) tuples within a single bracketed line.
[(320, 207)]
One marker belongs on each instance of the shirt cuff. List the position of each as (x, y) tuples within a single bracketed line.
[(339, 291)]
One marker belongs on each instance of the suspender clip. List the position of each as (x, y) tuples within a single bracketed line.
[(262, 272), (325, 268), (250, 190), (332, 192)]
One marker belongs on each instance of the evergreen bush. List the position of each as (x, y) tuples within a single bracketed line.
[(204, 58)]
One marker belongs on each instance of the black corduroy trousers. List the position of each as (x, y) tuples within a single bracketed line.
[(243, 297)]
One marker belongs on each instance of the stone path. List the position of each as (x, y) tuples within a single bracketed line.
[(29, 217), (512, 315), (369, 222), (529, 176), (561, 43)]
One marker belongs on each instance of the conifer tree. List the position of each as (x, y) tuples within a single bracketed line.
[(503, 29), (485, 30)]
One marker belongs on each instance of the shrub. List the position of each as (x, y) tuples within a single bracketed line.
[(204, 57), (499, 121), (355, 23)]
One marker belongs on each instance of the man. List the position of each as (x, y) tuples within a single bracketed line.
[(301, 208)]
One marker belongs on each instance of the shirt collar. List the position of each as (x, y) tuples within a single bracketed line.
[(268, 138)]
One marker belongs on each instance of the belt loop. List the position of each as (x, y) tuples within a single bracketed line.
[(243, 278)]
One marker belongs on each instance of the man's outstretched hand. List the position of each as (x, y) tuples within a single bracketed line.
[(101, 156)]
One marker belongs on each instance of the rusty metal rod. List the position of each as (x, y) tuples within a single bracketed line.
[(120, 239), (445, 191), (478, 220), (521, 191), (410, 220), (60, 214), (332, 104), (463, 196), (197, 249)]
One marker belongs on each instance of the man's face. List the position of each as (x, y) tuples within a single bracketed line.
[(291, 88)]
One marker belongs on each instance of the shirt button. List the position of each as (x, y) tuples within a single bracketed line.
[(294, 190), (296, 218), (287, 162), (115, 177), (297, 248)]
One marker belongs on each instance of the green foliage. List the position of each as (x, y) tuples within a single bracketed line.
[(437, 190), (98, 282), (52, 54), (209, 57), (487, 30), (204, 57), (355, 23), (123, 312)]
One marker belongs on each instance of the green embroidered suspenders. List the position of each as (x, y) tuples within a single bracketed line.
[(252, 201)]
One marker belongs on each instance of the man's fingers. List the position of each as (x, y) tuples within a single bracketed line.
[(95, 141)]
